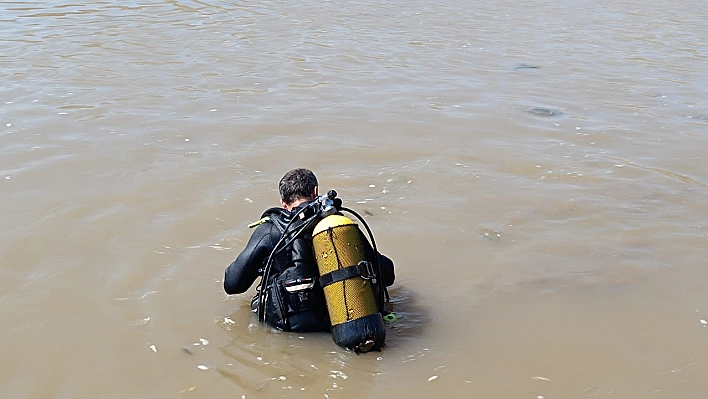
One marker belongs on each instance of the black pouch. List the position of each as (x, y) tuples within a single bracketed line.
[(297, 304)]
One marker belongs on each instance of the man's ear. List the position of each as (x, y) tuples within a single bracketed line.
[(315, 192), (285, 206)]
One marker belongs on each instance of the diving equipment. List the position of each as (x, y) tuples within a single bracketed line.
[(349, 274)]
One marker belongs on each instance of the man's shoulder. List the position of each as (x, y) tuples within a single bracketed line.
[(278, 217), (268, 216), (276, 212)]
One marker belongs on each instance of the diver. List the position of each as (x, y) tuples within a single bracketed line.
[(280, 251)]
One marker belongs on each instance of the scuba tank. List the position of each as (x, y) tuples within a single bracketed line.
[(350, 284)]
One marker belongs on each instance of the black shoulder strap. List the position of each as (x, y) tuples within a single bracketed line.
[(363, 269), (278, 216)]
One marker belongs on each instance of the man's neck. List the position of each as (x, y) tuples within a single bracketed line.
[(295, 204)]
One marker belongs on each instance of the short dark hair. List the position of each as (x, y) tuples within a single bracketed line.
[(297, 184)]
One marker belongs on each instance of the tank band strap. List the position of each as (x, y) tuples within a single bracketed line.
[(363, 269)]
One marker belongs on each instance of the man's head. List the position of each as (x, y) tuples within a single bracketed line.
[(297, 186)]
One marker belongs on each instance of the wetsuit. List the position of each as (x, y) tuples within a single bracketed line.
[(286, 308)]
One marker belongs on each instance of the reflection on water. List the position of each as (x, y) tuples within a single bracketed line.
[(537, 174), (412, 319), (263, 361), (260, 360)]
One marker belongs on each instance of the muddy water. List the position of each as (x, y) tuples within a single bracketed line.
[(537, 172)]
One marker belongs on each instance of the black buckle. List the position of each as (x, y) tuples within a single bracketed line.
[(362, 269), (367, 271)]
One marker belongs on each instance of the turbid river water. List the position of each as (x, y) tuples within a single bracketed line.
[(538, 172)]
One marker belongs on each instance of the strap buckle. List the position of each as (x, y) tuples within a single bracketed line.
[(367, 271)]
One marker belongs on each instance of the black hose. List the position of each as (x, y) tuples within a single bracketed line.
[(305, 225)]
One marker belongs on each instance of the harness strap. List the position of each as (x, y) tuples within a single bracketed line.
[(363, 269)]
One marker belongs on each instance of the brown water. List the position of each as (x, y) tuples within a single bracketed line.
[(537, 171)]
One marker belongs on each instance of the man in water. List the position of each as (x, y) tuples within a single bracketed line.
[(300, 310)]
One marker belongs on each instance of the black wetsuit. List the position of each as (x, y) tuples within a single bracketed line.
[(301, 311)]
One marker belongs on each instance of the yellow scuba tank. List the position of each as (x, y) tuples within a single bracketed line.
[(348, 280)]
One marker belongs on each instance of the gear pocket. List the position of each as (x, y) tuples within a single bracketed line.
[(297, 304)]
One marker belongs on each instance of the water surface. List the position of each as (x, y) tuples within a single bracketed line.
[(536, 171)]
